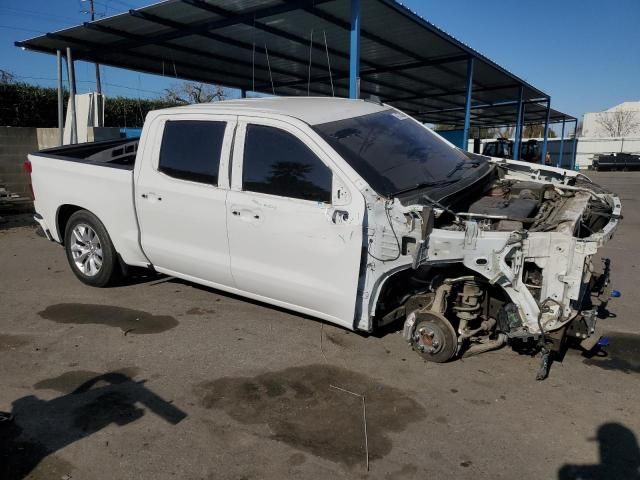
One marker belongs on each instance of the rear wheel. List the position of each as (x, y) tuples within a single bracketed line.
[(434, 338), (89, 250)]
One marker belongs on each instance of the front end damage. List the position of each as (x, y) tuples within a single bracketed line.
[(509, 263)]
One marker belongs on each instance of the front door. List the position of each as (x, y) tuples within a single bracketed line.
[(181, 191), (295, 225)]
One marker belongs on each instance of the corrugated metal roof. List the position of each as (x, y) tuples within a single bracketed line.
[(405, 60)]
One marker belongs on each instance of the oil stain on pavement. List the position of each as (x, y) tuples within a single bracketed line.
[(11, 342), (622, 354), (301, 409), (128, 320)]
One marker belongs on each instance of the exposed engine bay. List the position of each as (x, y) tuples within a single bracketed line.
[(539, 207), (507, 261)]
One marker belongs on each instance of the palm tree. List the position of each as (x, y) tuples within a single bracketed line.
[(289, 171)]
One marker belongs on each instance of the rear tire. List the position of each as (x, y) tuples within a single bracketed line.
[(90, 253)]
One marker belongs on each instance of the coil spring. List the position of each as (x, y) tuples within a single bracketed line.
[(469, 304)]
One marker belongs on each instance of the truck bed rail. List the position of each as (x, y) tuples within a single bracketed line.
[(120, 153)]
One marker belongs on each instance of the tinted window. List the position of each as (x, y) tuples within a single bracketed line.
[(504, 150), (391, 151), (191, 150), (278, 163), (490, 149)]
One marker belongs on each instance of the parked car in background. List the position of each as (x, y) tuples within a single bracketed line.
[(346, 210)]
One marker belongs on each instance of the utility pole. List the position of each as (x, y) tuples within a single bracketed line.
[(92, 15)]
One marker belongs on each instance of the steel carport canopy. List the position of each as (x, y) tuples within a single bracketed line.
[(404, 60)]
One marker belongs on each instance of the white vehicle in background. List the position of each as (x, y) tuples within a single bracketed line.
[(346, 210)]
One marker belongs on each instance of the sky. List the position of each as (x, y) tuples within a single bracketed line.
[(584, 53)]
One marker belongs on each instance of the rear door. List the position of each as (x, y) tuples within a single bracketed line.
[(295, 224), (181, 192)]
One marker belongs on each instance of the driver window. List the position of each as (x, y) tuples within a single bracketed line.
[(278, 163)]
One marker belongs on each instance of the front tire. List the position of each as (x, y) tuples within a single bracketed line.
[(89, 250)]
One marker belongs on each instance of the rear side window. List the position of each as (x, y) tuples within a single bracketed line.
[(191, 149), (278, 163)]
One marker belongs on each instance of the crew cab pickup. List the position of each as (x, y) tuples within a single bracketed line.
[(346, 210)]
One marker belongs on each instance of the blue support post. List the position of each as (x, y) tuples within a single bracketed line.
[(543, 154), (467, 105), (354, 51), (559, 164), (518, 134), (575, 146)]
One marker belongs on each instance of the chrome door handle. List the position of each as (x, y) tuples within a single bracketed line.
[(246, 214), (151, 196)]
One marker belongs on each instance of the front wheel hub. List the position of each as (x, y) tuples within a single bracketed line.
[(433, 337), (429, 339)]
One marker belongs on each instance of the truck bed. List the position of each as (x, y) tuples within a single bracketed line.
[(120, 153), (74, 176)]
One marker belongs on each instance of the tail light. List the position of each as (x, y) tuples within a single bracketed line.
[(28, 168)]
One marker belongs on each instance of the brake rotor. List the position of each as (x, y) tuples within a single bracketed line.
[(434, 338)]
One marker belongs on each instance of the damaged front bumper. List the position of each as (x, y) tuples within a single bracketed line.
[(545, 271), (561, 261)]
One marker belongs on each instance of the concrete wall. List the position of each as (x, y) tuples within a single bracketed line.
[(17, 142), (588, 147)]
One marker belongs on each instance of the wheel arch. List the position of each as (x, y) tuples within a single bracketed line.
[(62, 218), (117, 268), (397, 277)]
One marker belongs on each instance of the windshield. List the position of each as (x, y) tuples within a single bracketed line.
[(392, 152)]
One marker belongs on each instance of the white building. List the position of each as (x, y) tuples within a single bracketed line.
[(621, 121)]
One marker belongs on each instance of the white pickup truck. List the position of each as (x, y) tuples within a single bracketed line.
[(346, 210)]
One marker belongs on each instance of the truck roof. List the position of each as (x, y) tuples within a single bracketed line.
[(311, 110)]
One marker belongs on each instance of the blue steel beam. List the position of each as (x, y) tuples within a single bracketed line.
[(518, 134), (378, 70), (227, 20), (188, 50), (575, 145), (427, 95), (231, 18), (395, 4), (481, 105), (467, 106), (561, 144), (543, 154), (328, 17), (354, 51), (337, 53)]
